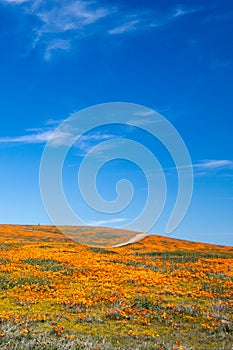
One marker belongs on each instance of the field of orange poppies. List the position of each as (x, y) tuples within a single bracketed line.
[(158, 293)]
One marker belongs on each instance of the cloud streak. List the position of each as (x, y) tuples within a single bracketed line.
[(58, 138), (86, 142), (14, 2), (181, 11), (205, 167), (125, 27), (107, 222), (150, 20), (56, 46), (58, 26), (214, 164), (64, 23)]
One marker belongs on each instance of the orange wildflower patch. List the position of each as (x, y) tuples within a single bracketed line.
[(167, 293)]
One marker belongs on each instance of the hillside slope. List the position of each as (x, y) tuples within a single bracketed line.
[(158, 293)]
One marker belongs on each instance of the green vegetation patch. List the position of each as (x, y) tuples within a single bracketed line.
[(102, 250), (181, 256)]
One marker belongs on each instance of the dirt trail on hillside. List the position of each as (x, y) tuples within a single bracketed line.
[(132, 240)]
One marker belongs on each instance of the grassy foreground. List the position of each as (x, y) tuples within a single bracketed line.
[(159, 293)]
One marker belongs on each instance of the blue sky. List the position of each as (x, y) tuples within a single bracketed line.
[(58, 57)]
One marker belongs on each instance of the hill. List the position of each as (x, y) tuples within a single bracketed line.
[(157, 293)]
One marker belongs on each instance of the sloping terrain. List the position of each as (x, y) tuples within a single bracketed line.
[(157, 293)]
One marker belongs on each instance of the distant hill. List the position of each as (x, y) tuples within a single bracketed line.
[(103, 237), (157, 293)]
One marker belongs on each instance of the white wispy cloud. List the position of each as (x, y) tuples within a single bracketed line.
[(204, 168), (53, 122), (58, 137), (181, 11), (107, 222), (69, 16), (55, 46), (58, 25), (214, 164), (86, 142), (128, 26), (39, 137), (103, 149), (15, 2), (150, 19), (172, 16), (70, 19)]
